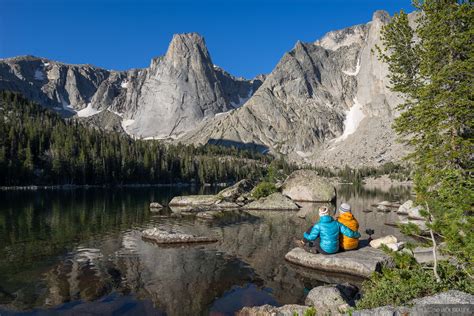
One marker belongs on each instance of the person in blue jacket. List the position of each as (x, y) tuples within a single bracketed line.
[(324, 235)]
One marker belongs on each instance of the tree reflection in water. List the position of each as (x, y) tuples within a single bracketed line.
[(84, 247)]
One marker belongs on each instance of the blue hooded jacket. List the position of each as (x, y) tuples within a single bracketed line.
[(328, 230)]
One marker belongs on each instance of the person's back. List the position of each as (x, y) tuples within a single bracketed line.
[(325, 233), (329, 232), (347, 218)]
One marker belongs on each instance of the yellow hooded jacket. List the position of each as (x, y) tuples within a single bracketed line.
[(348, 220)]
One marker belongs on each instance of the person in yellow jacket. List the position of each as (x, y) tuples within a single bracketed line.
[(346, 218)]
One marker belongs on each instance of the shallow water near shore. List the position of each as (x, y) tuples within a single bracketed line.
[(78, 251)]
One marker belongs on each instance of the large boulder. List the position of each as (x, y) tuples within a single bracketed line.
[(308, 186), (268, 310), (403, 209), (413, 212), (451, 302), (275, 201), (449, 297), (331, 299), (164, 237), (362, 262), (237, 190)]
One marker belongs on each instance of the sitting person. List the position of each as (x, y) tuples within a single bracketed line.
[(347, 219), (324, 235)]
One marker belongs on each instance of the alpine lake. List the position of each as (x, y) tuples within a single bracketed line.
[(80, 251)]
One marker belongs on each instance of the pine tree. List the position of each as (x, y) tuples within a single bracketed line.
[(65, 151), (432, 65)]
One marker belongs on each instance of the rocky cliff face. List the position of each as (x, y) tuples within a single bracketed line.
[(170, 97), (325, 103)]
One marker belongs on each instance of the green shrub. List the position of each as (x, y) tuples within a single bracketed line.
[(263, 189), (410, 280), (310, 312)]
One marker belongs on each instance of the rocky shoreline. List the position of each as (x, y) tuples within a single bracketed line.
[(340, 300), (300, 186), (335, 299), (119, 186)]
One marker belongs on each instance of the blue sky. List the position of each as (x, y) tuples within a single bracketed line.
[(244, 37)]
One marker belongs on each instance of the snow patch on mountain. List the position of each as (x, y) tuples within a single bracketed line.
[(88, 111), (353, 118), (127, 123)]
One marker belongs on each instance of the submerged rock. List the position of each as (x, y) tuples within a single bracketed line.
[(226, 205), (210, 215), (155, 205), (361, 262), (377, 243), (164, 237), (275, 201), (389, 204), (383, 208), (308, 186)]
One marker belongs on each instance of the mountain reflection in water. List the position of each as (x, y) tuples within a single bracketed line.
[(73, 251)]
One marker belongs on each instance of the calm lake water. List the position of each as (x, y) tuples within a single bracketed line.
[(80, 251)]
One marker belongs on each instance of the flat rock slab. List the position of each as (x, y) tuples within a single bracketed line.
[(361, 262), (194, 200), (163, 237)]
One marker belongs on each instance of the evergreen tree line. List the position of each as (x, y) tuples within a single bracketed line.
[(39, 147)]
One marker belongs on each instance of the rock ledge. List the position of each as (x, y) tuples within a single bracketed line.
[(362, 262)]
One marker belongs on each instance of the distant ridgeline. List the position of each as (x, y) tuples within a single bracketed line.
[(39, 147)]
